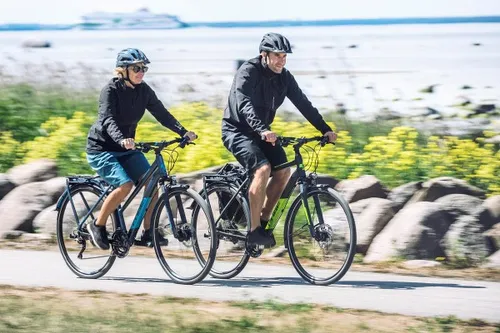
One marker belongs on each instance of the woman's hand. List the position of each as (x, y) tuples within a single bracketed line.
[(191, 135)]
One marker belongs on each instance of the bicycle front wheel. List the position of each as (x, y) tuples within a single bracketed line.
[(325, 255), (195, 232)]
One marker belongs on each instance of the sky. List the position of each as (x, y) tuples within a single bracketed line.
[(66, 11)]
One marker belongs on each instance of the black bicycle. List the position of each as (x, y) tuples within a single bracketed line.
[(319, 229), (180, 215)]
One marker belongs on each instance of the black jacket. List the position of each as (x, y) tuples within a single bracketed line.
[(120, 109), (256, 94)]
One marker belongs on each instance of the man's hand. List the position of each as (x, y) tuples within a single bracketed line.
[(332, 136), (128, 143), (191, 136), (269, 136)]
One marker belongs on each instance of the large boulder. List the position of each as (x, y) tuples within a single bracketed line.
[(402, 194), (21, 205), (493, 261), (5, 185), (36, 171), (364, 187), (414, 233), (492, 204), (371, 221), (458, 205), (465, 244), (439, 187), (493, 235)]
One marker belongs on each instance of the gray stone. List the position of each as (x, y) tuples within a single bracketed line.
[(414, 233), (36, 171)]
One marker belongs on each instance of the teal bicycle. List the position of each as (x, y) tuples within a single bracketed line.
[(180, 215), (319, 229)]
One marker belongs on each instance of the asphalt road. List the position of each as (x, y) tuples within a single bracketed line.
[(408, 295)]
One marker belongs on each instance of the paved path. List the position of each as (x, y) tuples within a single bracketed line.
[(420, 296)]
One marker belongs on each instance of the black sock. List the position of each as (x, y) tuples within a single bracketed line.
[(263, 223)]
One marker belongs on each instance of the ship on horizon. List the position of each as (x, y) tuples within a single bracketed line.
[(140, 19)]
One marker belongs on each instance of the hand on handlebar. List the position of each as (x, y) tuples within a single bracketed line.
[(191, 136), (269, 136), (128, 143), (332, 136)]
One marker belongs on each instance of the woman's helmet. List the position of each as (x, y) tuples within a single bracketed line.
[(273, 42), (131, 56)]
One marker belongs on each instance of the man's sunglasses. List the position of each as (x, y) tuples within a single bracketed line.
[(138, 69)]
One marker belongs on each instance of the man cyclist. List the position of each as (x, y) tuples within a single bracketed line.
[(259, 88)]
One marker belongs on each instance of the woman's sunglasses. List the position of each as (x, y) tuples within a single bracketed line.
[(138, 69)]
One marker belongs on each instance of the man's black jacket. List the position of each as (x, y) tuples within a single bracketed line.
[(256, 94)]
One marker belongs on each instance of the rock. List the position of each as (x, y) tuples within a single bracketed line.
[(402, 194), (493, 261), (414, 233), (186, 88), (388, 114), (462, 101), (5, 185), (352, 46), (364, 187), (494, 140), (492, 204), (36, 44), (21, 205), (484, 108), (458, 205), (429, 89), (326, 179), (371, 221), (36, 171), (466, 87), (45, 221), (340, 108), (465, 243), (439, 187), (412, 264), (493, 236)]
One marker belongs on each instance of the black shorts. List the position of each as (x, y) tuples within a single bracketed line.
[(253, 152)]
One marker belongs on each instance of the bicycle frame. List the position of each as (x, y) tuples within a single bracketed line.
[(155, 177), (299, 176)]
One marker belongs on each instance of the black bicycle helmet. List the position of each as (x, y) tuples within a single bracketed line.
[(273, 42), (131, 56)]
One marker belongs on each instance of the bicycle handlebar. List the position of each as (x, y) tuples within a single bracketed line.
[(160, 145), (287, 140)]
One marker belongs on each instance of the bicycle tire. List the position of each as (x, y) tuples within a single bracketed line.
[(293, 219), (197, 204), (224, 269), (62, 228)]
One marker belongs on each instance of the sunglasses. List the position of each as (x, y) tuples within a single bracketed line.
[(138, 69)]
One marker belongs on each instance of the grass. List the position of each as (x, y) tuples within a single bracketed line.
[(55, 310)]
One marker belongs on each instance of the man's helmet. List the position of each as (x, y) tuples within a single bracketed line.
[(273, 42), (131, 56)]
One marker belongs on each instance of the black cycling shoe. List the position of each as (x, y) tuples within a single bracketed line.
[(147, 239), (263, 224), (99, 235), (260, 237)]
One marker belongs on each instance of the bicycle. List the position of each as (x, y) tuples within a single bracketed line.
[(319, 229), (187, 222)]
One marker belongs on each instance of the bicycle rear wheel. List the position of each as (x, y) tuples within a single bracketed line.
[(326, 256), (92, 263), (232, 228), (195, 226)]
